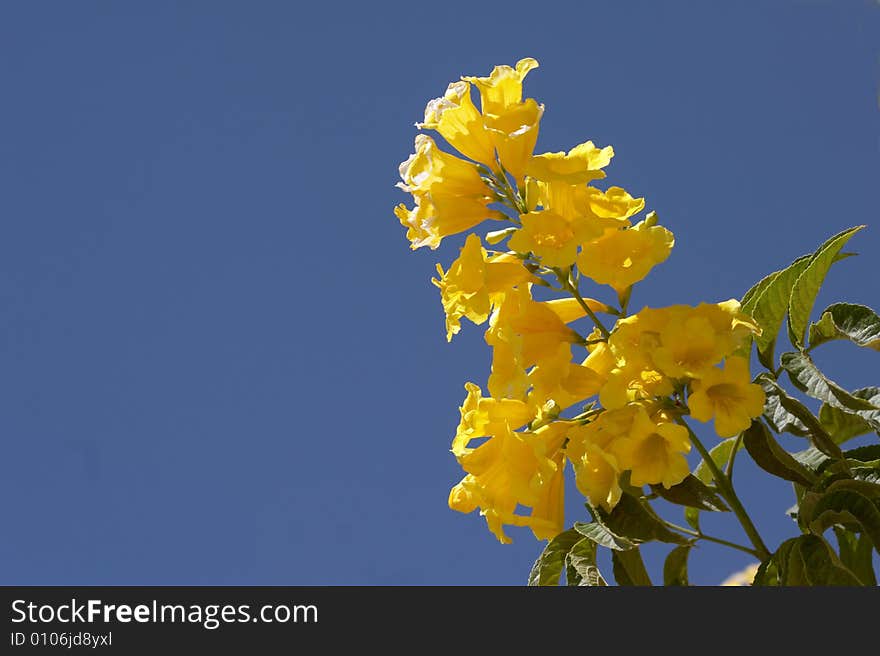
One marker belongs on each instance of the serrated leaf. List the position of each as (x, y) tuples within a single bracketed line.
[(811, 458), (694, 493), (803, 294), (629, 568), (842, 506), (867, 453), (842, 425), (774, 570), (857, 323), (820, 439), (630, 519), (805, 375), (675, 570), (548, 567), (821, 566), (872, 396), (581, 568), (771, 307), (720, 454), (772, 458), (856, 553), (750, 298), (603, 536), (780, 419)]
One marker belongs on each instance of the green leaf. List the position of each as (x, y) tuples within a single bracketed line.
[(857, 323), (630, 519), (820, 439), (867, 453), (692, 517), (856, 553), (772, 458), (771, 306), (774, 570), (804, 560), (780, 419), (821, 566), (629, 568), (548, 567), (845, 506), (720, 454), (581, 568), (750, 298), (811, 458), (603, 536), (803, 294), (675, 570), (805, 375), (694, 493), (842, 425)]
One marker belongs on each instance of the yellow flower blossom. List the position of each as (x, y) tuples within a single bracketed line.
[(503, 88), (474, 282), (654, 452), (620, 258), (483, 416), (514, 134), (512, 469), (696, 338), (729, 396), (550, 236), (597, 474), (742, 578), (562, 380), (450, 195), (457, 119), (581, 164)]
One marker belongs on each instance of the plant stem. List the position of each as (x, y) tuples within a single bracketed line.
[(729, 494), (566, 283), (702, 536)]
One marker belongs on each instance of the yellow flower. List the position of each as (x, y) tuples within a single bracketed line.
[(474, 282), (615, 203), (562, 380), (596, 474), (532, 328), (742, 578), (729, 396), (582, 164), (512, 469), (653, 451), (621, 258), (508, 377), (636, 381), (503, 88), (550, 236), (450, 195), (457, 119), (481, 417), (697, 338), (514, 134)]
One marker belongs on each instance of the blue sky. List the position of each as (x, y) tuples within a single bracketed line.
[(221, 364)]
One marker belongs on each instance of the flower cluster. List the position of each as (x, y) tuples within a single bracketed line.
[(609, 402)]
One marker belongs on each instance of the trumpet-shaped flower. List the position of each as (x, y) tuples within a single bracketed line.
[(474, 282), (654, 452), (514, 469), (502, 89), (552, 237), (482, 416), (729, 396), (457, 119), (514, 134), (581, 164), (620, 258)]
